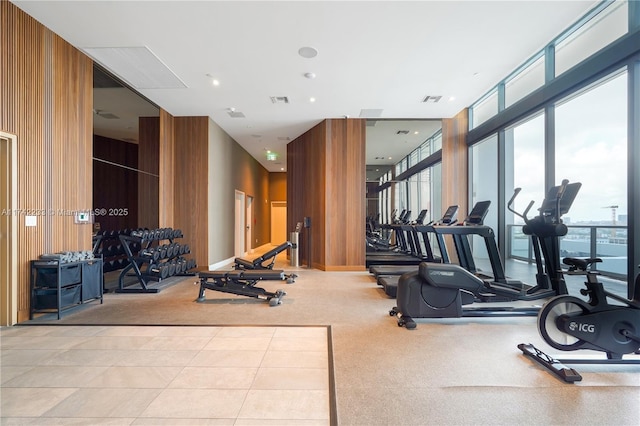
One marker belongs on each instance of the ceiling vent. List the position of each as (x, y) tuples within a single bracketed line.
[(138, 66), (402, 132), (279, 100), (364, 113), (234, 114), (432, 99), (105, 114)]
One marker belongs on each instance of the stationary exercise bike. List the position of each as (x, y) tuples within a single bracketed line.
[(568, 323)]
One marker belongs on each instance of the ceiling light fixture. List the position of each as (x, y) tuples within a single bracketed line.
[(452, 98), (312, 99), (310, 75), (215, 82), (308, 52)]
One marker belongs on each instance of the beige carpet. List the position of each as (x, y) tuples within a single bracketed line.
[(455, 372)]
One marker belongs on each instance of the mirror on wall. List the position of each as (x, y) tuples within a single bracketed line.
[(125, 156), (388, 143)]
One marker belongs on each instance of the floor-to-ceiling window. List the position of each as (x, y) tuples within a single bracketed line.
[(483, 166), (591, 148), (524, 168)]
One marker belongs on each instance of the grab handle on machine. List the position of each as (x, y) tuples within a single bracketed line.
[(513, 197), (524, 215)]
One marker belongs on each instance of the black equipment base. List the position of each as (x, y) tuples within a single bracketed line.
[(557, 367), (243, 283)]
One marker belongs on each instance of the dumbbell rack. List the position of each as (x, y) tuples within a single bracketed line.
[(161, 262), (108, 246)]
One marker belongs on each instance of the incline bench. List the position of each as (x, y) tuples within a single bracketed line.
[(261, 262), (242, 282)]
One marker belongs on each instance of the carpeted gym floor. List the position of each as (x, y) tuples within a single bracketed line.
[(445, 372)]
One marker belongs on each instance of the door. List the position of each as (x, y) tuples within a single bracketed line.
[(278, 222), (8, 229), (240, 233), (250, 223)]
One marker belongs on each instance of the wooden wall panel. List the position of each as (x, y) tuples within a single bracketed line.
[(326, 174), (166, 170), (455, 160), (306, 190), (46, 97), (148, 178), (191, 184), (345, 182)]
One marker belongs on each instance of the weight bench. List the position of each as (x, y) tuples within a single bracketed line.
[(243, 283), (261, 262)]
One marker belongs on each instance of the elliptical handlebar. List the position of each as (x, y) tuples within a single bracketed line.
[(523, 215)]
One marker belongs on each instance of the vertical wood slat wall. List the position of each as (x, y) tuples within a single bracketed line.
[(306, 191), (148, 164), (166, 170), (326, 175), (190, 208), (455, 159), (346, 195), (46, 98)]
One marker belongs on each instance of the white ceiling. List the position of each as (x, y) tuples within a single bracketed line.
[(384, 55)]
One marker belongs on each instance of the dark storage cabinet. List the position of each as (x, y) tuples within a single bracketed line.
[(58, 286)]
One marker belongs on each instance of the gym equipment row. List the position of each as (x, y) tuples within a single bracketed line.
[(150, 265), (440, 290), (388, 268), (243, 283)]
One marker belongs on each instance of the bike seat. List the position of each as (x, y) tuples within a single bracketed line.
[(576, 264)]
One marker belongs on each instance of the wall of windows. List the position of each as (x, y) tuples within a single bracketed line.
[(591, 148), (565, 114)]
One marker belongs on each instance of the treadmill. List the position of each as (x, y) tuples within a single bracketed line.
[(387, 275)]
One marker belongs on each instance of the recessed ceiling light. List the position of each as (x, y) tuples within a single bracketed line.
[(452, 98), (416, 132), (308, 52), (389, 158), (310, 75), (312, 99), (215, 82)]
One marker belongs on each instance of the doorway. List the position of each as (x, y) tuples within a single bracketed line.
[(278, 222), (8, 230), (240, 233), (250, 223)]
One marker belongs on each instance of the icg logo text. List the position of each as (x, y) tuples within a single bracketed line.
[(583, 327)]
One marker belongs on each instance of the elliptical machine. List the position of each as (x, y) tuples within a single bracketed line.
[(568, 323), (440, 290)]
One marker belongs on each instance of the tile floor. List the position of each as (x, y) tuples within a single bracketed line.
[(165, 375)]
